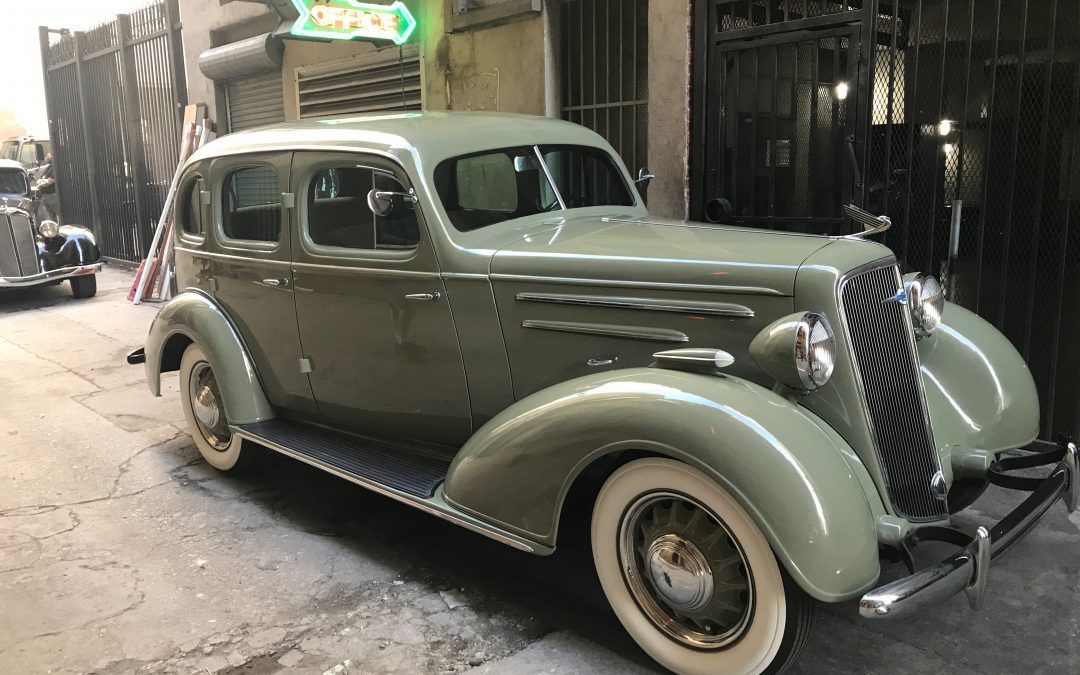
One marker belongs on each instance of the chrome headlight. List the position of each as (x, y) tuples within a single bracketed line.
[(48, 228), (798, 350), (926, 299)]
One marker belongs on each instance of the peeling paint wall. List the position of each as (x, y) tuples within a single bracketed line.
[(500, 68), (669, 106)]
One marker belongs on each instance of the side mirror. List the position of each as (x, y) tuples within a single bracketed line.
[(380, 203), (644, 177)]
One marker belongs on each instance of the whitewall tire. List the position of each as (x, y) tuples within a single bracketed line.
[(204, 411), (690, 575)]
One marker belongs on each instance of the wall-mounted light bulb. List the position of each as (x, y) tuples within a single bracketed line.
[(841, 90), (944, 127)]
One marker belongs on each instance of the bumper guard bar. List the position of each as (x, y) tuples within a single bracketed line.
[(967, 569)]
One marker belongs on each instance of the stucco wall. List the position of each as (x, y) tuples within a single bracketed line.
[(500, 68), (669, 106)]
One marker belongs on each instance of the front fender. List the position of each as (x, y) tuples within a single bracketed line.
[(979, 391), (73, 247), (793, 474), (196, 317)]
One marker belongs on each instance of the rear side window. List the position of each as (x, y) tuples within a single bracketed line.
[(338, 213), (251, 204), (191, 212)]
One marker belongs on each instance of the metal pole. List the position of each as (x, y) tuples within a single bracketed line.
[(129, 112), (177, 74), (88, 135), (50, 107), (954, 249)]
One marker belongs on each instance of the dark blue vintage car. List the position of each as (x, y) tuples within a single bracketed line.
[(36, 250)]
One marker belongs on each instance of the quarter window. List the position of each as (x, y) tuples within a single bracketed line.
[(251, 204), (338, 213), (191, 212)]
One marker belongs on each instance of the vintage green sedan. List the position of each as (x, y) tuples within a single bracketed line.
[(476, 315)]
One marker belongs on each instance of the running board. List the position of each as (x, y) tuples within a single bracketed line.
[(409, 477)]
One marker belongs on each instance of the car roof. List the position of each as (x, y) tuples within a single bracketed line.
[(433, 136), (11, 164)]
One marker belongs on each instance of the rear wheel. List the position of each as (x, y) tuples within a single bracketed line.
[(84, 286), (690, 575), (204, 410)]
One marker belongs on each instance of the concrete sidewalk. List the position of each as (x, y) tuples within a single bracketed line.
[(121, 551)]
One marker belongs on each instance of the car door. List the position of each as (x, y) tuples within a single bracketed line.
[(250, 273), (373, 315)]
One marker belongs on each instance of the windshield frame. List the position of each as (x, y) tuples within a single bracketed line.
[(25, 181), (538, 149)]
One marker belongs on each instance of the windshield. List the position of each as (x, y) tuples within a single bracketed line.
[(13, 182), (490, 187)]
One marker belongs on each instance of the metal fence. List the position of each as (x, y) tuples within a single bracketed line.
[(957, 118), (603, 61), (114, 95)]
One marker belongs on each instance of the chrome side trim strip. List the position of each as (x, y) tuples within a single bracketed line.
[(239, 258), (660, 285), (633, 332), (651, 304), (435, 505), (354, 269)]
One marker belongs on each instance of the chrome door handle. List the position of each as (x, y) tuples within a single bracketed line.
[(434, 295), (601, 361), (276, 282)]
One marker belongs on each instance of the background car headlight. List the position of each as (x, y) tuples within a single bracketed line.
[(926, 298), (48, 228), (798, 350)]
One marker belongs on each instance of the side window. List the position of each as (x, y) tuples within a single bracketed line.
[(28, 154), (251, 204), (338, 213), (191, 213)]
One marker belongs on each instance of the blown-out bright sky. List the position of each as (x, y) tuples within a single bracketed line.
[(22, 92)]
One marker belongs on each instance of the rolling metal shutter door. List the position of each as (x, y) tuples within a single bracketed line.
[(382, 80), (254, 101)]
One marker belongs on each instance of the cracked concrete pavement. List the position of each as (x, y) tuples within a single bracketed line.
[(122, 552)]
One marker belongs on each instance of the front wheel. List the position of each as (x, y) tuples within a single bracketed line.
[(690, 575), (84, 286)]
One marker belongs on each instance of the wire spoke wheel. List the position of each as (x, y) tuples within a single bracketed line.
[(685, 570)]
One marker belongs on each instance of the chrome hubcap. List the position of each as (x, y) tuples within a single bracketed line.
[(680, 573), (685, 570), (205, 404)]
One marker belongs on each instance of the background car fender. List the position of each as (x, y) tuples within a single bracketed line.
[(194, 317), (979, 391), (796, 477)]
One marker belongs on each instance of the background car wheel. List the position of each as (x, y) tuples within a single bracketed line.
[(690, 575), (84, 286), (204, 410)]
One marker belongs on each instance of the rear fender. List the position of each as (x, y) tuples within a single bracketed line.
[(803, 485), (194, 317)]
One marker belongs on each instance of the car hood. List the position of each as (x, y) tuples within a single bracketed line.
[(658, 252)]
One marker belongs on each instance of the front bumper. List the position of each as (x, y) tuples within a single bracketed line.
[(52, 275), (967, 569)]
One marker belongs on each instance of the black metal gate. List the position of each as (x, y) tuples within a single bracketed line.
[(114, 95), (959, 121)]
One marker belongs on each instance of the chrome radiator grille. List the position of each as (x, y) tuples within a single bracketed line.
[(884, 351)]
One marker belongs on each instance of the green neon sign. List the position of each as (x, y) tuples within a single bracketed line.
[(349, 19)]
